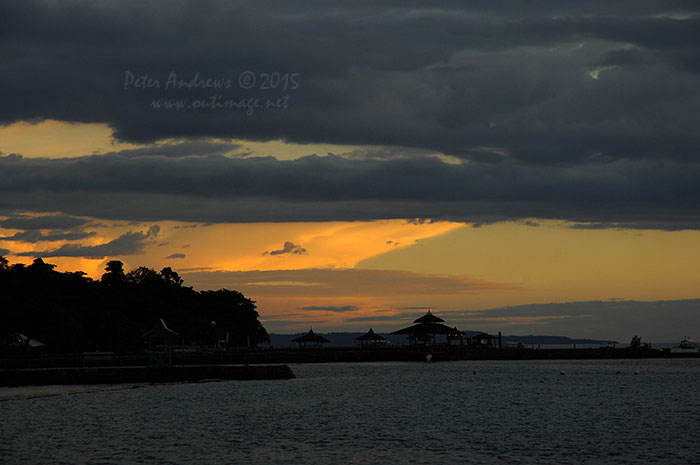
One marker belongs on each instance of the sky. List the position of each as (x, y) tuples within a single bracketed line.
[(529, 167)]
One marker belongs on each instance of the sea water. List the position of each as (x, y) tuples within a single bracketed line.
[(533, 412)]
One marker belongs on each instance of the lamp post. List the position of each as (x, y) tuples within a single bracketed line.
[(216, 339)]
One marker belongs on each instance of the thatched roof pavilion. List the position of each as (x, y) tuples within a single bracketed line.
[(371, 339), (427, 327), (310, 339)]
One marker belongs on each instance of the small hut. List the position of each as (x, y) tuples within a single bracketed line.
[(160, 345), (371, 339), (311, 340)]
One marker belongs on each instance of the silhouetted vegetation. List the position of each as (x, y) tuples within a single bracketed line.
[(70, 312)]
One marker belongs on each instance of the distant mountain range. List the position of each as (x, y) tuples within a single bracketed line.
[(348, 339)]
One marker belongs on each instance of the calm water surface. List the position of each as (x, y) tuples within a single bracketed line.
[(437, 413)]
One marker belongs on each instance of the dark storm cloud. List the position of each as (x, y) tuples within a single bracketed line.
[(35, 235), (130, 243), (578, 110), (453, 77), (4, 252), (623, 193), (178, 149), (39, 222)]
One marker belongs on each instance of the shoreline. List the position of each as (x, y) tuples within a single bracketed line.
[(330, 354), (272, 364)]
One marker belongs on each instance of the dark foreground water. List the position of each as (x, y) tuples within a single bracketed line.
[(436, 413)]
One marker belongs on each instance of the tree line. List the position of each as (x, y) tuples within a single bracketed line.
[(71, 312)]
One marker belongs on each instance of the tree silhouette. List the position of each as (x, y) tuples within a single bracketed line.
[(40, 268), (235, 315), (171, 277), (114, 273), (70, 312), (144, 276)]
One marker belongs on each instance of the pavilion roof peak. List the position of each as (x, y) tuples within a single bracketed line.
[(370, 336), (311, 337), (160, 329), (429, 317)]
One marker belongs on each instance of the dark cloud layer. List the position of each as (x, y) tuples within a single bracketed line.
[(37, 222), (623, 193), (454, 78), (130, 243), (178, 149), (579, 110), (34, 235)]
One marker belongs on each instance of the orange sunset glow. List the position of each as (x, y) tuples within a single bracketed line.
[(545, 186)]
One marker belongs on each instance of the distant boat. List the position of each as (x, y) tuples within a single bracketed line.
[(689, 344)]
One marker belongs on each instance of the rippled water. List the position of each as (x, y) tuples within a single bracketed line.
[(437, 413)]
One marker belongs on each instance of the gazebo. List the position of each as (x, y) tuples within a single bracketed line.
[(160, 349), (311, 340), (427, 327), (371, 339)]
